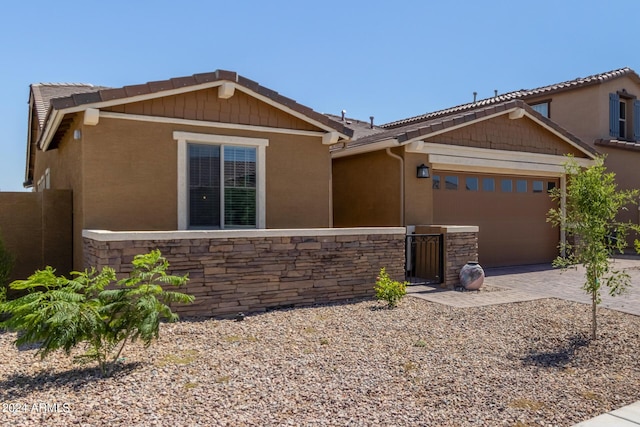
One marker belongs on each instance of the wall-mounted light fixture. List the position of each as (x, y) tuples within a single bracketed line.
[(77, 134), (423, 171)]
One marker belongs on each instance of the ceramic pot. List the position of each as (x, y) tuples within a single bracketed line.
[(471, 276)]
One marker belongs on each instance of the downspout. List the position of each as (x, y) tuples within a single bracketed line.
[(399, 158)]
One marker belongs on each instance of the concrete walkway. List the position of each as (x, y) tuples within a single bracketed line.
[(526, 283), (629, 416)]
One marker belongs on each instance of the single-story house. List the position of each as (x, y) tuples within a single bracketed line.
[(265, 202), (231, 180)]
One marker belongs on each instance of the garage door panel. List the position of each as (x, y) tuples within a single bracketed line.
[(513, 227)]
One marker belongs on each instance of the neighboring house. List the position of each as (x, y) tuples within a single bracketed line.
[(602, 110), (490, 166), (209, 151)]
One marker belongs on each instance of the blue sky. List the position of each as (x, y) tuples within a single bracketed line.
[(387, 59)]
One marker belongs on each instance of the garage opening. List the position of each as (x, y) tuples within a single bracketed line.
[(510, 211)]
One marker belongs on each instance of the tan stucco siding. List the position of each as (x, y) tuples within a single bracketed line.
[(502, 133), (130, 173), (207, 106), (366, 190), (419, 194), (65, 166), (625, 164), (298, 182), (585, 111), (133, 167)]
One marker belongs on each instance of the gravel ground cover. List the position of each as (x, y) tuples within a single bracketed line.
[(354, 364)]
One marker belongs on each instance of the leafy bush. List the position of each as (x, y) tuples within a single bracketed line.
[(389, 290), (60, 313)]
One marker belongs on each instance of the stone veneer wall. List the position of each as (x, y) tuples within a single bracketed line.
[(460, 247), (251, 271)]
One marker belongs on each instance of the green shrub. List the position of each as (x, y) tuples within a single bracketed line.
[(60, 313), (389, 290)]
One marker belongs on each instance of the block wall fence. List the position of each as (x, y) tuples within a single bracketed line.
[(255, 270), (36, 229)]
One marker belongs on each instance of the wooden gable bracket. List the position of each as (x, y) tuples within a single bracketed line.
[(91, 116), (330, 138), (226, 90), (518, 113)]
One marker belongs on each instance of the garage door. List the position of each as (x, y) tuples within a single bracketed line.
[(509, 210)]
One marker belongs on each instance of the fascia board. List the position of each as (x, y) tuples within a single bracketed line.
[(470, 164), (209, 124), (380, 145), (561, 136), (30, 123), (290, 111), (52, 123), (491, 154)]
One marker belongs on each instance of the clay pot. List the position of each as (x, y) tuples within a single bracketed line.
[(471, 276)]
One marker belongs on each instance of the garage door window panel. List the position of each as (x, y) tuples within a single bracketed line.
[(451, 183)]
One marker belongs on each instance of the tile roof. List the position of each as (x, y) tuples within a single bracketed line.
[(520, 94), (627, 145), (43, 93), (360, 128), (441, 123), (103, 94)]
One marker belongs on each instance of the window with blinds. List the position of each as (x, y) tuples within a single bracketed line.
[(222, 186)]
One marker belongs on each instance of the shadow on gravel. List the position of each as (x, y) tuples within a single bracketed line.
[(19, 385), (559, 358)]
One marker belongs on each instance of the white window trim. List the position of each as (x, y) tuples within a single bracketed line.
[(199, 138)]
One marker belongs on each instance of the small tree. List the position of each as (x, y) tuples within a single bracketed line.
[(593, 203), (60, 313)]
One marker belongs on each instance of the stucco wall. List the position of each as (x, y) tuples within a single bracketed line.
[(419, 200), (123, 173), (133, 168), (66, 168), (585, 111), (366, 190), (249, 271), (36, 230), (626, 165)]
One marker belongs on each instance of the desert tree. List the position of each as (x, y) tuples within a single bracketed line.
[(594, 232)]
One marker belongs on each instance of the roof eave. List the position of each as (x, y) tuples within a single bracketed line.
[(572, 140), (368, 148), (28, 180), (68, 105)]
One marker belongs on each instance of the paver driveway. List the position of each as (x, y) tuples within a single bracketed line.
[(525, 283)]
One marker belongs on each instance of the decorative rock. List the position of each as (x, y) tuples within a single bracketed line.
[(472, 276)]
